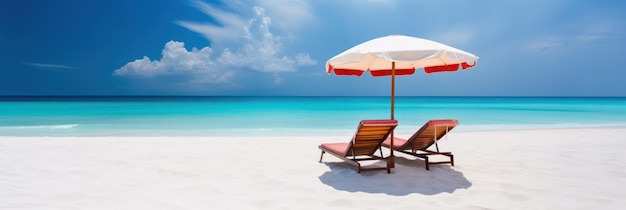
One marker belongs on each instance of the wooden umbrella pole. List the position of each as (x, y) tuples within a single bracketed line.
[(393, 87), (392, 161)]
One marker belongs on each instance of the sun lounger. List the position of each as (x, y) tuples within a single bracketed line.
[(368, 138), (418, 144)]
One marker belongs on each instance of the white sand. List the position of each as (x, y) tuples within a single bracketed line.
[(535, 169)]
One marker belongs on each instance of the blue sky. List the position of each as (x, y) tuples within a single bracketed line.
[(264, 47)]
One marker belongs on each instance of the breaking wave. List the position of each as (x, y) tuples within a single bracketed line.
[(39, 127)]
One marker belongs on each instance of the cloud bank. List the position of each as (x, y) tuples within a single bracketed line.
[(255, 48)]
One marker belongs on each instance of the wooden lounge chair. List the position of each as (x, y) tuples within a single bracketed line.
[(418, 144), (367, 139)]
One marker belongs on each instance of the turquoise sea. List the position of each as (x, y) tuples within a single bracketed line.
[(283, 116)]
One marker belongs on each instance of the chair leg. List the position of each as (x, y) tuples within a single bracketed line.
[(321, 156), (452, 159)]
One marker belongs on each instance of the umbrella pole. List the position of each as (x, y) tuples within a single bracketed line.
[(392, 161), (393, 85)]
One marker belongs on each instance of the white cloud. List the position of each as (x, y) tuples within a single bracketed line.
[(288, 14), (46, 66), (456, 36), (256, 48), (175, 59), (591, 29), (277, 79), (304, 59), (231, 24), (545, 44), (590, 33), (261, 49)]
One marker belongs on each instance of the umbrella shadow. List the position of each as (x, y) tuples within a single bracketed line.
[(408, 177)]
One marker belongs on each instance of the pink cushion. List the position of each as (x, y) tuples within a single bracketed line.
[(398, 143), (449, 123), (337, 148)]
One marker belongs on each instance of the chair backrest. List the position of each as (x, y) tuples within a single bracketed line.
[(433, 129), (370, 135)]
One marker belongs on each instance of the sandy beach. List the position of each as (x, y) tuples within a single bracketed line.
[(524, 169)]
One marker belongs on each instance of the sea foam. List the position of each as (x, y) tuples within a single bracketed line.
[(46, 127)]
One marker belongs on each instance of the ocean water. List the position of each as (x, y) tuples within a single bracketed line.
[(284, 116)]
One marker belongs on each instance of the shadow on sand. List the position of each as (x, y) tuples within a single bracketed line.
[(408, 177)]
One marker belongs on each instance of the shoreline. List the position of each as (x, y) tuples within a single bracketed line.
[(403, 130), (551, 169)]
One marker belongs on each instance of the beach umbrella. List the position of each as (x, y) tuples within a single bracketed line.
[(399, 55)]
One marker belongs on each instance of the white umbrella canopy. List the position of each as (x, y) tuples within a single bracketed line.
[(399, 55), (408, 53)]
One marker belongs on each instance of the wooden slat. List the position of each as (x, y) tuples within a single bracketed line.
[(364, 150), (369, 138)]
